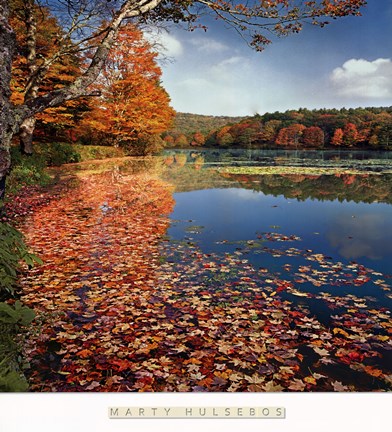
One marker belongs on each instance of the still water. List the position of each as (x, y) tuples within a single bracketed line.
[(273, 274), (345, 217)]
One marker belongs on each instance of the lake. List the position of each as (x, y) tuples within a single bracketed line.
[(345, 216), (327, 236), (214, 270)]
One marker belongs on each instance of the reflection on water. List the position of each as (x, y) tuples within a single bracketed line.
[(360, 159), (365, 235), (351, 214), (258, 267), (184, 171), (341, 229), (318, 243), (342, 215)]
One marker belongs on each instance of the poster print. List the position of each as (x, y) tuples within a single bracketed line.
[(252, 253)]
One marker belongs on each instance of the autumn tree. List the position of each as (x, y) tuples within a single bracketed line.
[(364, 134), (269, 130), (198, 139), (42, 65), (38, 34), (313, 136), (181, 141), (350, 135), (290, 136), (381, 135), (245, 133), (81, 19), (337, 138), (133, 106), (223, 137), (169, 140), (385, 135)]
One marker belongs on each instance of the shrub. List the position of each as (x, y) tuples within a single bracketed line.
[(144, 146), (30, 170), (12, 320), (12, 251), (56, 154), (26, 170)]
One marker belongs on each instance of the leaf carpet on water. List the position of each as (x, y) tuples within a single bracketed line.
[(122, 309)]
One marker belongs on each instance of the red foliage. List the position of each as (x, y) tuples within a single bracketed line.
[(290, 136), (313, 136)]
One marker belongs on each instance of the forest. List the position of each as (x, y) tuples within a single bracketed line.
[(353, 128), (133, 110)]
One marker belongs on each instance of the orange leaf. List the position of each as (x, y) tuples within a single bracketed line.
[(340, 331), (85, 353)]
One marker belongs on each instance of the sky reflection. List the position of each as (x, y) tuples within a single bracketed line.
[(344, 230), (366, 235)]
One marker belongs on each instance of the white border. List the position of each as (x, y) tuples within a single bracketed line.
[(85, 412)]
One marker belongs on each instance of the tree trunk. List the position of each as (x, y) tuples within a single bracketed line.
[(4, 168), (26, 135), (5, 144), (6, 133), (7, 49), (27, 127)]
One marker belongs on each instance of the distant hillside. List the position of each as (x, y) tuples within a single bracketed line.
[(352, 128), (188, 124)]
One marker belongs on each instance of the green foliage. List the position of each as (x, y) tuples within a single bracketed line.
[(46, 154), (11, 380), (16, 314), (12, 251), (90, 152), (56, 154), (27, 175), (30, 169), (12, 320), (26, 170)]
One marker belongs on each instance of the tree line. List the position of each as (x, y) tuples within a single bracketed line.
[(299, 129)]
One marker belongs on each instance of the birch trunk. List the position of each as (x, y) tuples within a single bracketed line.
[(7, 50), (27, 127)]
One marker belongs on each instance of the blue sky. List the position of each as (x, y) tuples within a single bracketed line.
[(345, 64)]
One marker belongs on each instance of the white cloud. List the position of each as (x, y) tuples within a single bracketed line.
[(231, 61), (165, 43), (219, 88), (231, 69), (246, 195), (208, 46), (363, 78)]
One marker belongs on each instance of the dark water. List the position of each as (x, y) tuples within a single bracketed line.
[(346, 218), (343, 230)]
